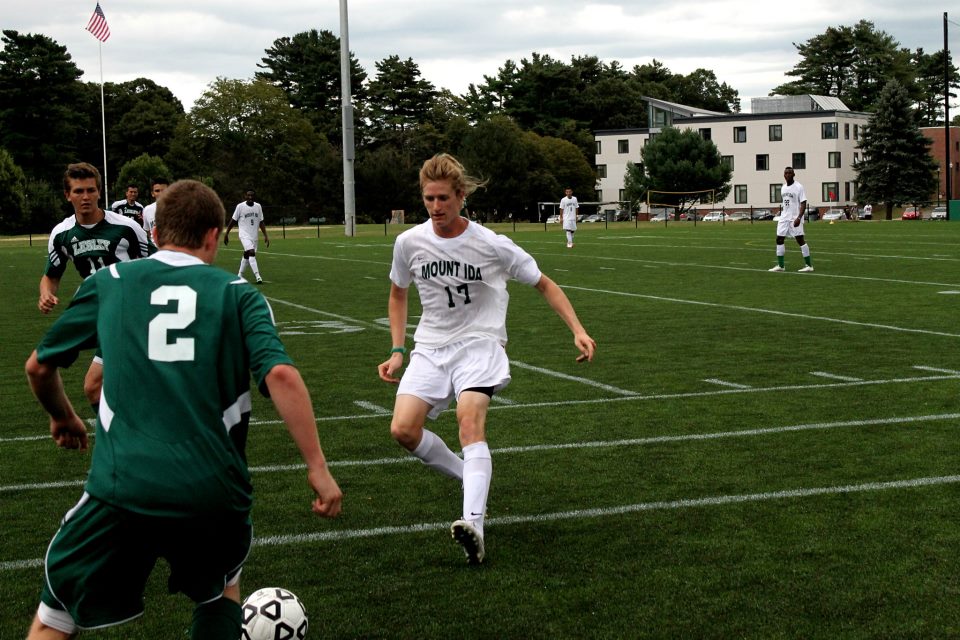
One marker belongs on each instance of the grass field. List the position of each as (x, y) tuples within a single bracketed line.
[(750, 455)]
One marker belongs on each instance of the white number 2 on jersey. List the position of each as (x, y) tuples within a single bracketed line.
[(158, 346)]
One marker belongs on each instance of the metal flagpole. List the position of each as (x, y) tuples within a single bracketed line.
[(349, 155), (103, 129)]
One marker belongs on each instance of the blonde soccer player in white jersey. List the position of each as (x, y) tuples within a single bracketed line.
[(794, 206), (461, 271)]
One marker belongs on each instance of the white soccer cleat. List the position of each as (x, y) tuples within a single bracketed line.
[(470, 539), (776, 268), (806, 268), (569, 245)]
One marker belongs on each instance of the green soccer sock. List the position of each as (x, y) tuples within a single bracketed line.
[(217, 620), (807, 260), (780, 261)]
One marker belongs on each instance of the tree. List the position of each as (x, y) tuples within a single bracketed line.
[(307, 68), (678, 161), (141, 171), (897, 167), (13, 202), (246, 135), (39, 95), (930, 87), (850, 63), (400, 99)]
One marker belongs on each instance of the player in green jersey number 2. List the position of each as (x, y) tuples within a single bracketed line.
[(169, 476)]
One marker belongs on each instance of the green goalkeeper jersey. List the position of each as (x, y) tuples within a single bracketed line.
[(180, 341)]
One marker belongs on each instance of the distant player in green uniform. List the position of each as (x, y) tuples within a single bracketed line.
[(129, 207), (169, 475), (91, 239)]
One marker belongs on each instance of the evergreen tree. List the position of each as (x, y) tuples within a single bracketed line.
[(897, 167)]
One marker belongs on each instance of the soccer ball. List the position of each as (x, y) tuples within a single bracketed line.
[(274, 614)]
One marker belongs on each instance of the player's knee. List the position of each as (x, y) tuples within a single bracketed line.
[(406, 436)]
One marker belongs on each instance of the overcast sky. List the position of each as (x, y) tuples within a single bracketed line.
[(184, 45)]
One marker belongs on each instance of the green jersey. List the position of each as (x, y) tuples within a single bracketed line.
[(90, 248), (191, 335)]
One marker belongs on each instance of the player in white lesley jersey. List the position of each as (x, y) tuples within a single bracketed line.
[(150, 211), (791, 220), (568, 212), (248, 218), (461, 271)]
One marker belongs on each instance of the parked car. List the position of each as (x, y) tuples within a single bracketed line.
[(662, 216), (939, 213), (762, 214), (554, 219), (912, 213), (694, 215), (593, 217), (832, 215), (713, 216), (738, 216)]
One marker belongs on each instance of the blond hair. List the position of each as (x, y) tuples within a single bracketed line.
[(444, 167)]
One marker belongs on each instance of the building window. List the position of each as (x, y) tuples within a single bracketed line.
[(740, 194), (739, 134), (775, 192), (763, 162), (830, 192), (622, 195), (828, 130), (846, 130), (833, 159), (856, 157), (623, 146), (601, 171), (776, 132), (596, 147), (727, 161), (856, 132), (799, 161), (705, 134), (850, 191)]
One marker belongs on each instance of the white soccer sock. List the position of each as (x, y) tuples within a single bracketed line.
[(477, 473), (805, 250), (781, 249), (253, 265), (435, 453), (570, 237), (243, 267)]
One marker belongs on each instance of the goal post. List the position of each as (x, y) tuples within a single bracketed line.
[(681, 200)]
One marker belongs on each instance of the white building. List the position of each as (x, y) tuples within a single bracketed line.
[(816, 135)]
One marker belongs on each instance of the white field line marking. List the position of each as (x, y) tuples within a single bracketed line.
[(936, 370), (595, 444), (768, 311), (502, 400), (953, 375), (516, 363), (724, 383), (580, 514), (834, 376), (375, 408), (564, 376), (668, 263)]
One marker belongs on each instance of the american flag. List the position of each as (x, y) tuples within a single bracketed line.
[(98, 25)]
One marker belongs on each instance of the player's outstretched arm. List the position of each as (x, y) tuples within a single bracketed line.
[(66, 427), (292, 400), (559, 302), (226, 232), (397, 312)]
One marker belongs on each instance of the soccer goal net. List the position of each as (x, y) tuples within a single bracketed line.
[(682, 201)]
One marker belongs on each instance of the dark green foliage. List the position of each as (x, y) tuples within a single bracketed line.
[(897, 168), (40, 92), (678, 161), (307, 68)]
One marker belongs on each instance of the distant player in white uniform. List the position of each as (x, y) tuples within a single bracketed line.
[(150, 211), (569, 207), (461, 271), (248, 218), (791, 220)]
